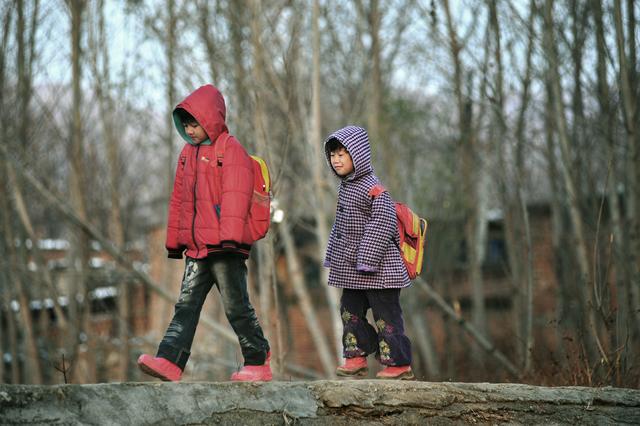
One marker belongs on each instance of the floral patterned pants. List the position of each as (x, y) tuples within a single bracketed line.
[(387, 340)]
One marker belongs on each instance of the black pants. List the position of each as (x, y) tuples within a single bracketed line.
[(387, 339), (229, 273)]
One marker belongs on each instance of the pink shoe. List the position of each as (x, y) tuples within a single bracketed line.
[(160, 368), (353, 367), (402, 372), (254, 373)]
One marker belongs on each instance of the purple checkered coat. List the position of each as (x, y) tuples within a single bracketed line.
[(363, 246)]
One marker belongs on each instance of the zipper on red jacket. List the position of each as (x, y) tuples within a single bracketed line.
[(195, 210)]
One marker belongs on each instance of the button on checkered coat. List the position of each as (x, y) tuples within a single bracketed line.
[(363, 245)]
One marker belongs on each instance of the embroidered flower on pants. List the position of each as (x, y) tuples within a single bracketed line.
[(380, 325), (346, 316), (385, 352), (350, 343)]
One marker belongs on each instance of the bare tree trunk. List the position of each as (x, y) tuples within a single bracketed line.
[(8, 292), (318, 164), (102, 85), (577, 133), (520, 179), (260, 127), (17, 275), (32, 360), (375, 117), (474, 232), (42, 268), (83, 371), (23, 62), (166, 34), (12, 331), (5, 283), (237, 23), (567, 318), (25, 50), (304, 300), (498, 136), (607, 120), (206, 35), (516, 215), (589, 331), (630, 111), (170, 52)]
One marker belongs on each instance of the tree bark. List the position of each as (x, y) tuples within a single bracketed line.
[(236, 12), (8, 292), (319, 183), (260, 127), (475, 226), (577, 133), (5, 283), (630, 111), (588, 324), (106, 106), (376, 122), (206, 35), (170, 53), (17, 276), (520, 179), (83, 371), (498, 135), (620, 240)]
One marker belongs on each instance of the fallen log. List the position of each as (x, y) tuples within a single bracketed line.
[(317, 403)]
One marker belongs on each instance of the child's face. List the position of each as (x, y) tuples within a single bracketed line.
[(341, 162), (195, 132)]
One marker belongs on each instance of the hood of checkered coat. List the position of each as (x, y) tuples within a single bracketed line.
[(356, 140)]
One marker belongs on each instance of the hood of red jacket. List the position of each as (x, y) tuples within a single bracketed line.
[(206, 104)]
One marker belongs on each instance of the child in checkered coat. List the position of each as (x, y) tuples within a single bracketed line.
[(365, 261)]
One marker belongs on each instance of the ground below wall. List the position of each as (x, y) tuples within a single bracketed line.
[(315, 403)]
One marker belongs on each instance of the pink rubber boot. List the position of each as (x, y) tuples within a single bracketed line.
[(353, 367), (254, 373), (402, 372), (160, 368)]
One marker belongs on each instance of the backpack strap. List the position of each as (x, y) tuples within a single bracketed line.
[(220, 145), (376, 190)]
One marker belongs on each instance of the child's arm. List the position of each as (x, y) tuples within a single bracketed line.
[(175, 251), (237, 190), (378, 234)]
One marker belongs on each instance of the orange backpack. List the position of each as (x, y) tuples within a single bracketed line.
[(412, 229), (259, 216)]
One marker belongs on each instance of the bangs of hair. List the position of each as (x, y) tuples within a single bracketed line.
[(334, 145), (185, 117)]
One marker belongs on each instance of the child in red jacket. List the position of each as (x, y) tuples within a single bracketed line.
[(207, 222)]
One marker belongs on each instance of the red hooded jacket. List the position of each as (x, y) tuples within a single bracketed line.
[(209, 203)]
